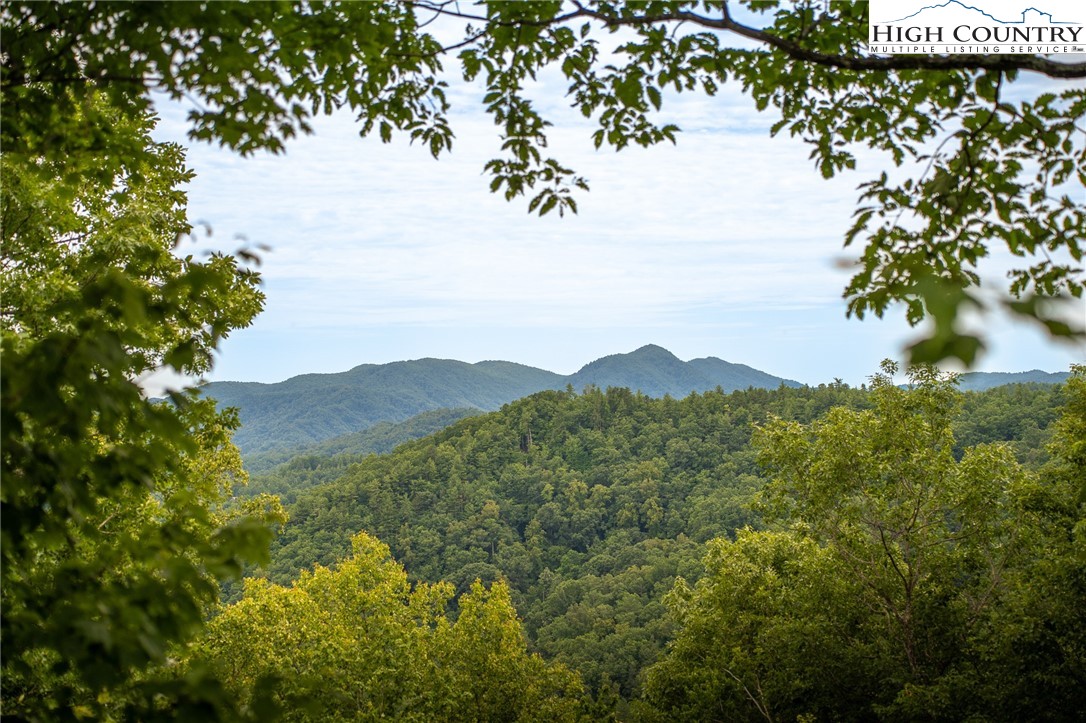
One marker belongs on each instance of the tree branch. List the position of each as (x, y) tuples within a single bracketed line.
[(1035, 63)]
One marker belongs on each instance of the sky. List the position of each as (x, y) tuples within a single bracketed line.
[(728, 244)]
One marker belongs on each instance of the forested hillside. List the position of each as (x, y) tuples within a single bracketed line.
[(315, 407), (591, 505), (845, 559), (378, 439), (287, 473)]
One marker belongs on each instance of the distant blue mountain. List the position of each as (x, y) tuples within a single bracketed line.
[(315, 407), (979, 381)]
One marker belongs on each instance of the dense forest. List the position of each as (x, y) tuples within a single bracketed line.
[(596, 513), (896, 554), (286, 472)]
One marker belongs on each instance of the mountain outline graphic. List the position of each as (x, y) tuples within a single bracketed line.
[(986, 14)]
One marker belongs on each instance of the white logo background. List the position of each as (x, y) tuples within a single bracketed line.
[(977, 26)]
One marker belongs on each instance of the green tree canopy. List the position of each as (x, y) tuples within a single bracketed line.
[(114, 529), (903, 584), (358, 642), (983, 165), (113, 534)]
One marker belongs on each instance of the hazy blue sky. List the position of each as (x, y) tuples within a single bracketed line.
[(725, 245)]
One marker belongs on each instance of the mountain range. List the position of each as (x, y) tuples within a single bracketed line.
[(314, 407), (980, 381)]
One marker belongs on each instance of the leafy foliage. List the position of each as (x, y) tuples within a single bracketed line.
[(589, 506), (358, 642), (259, 71), (987, 167), (766, 634), (897, 587), (114, 532), (114, 535), (1021, 415)]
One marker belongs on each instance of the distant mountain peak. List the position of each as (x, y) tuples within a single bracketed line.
[(652, 349)]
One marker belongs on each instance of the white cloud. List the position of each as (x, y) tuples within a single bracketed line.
[(723, 242)]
